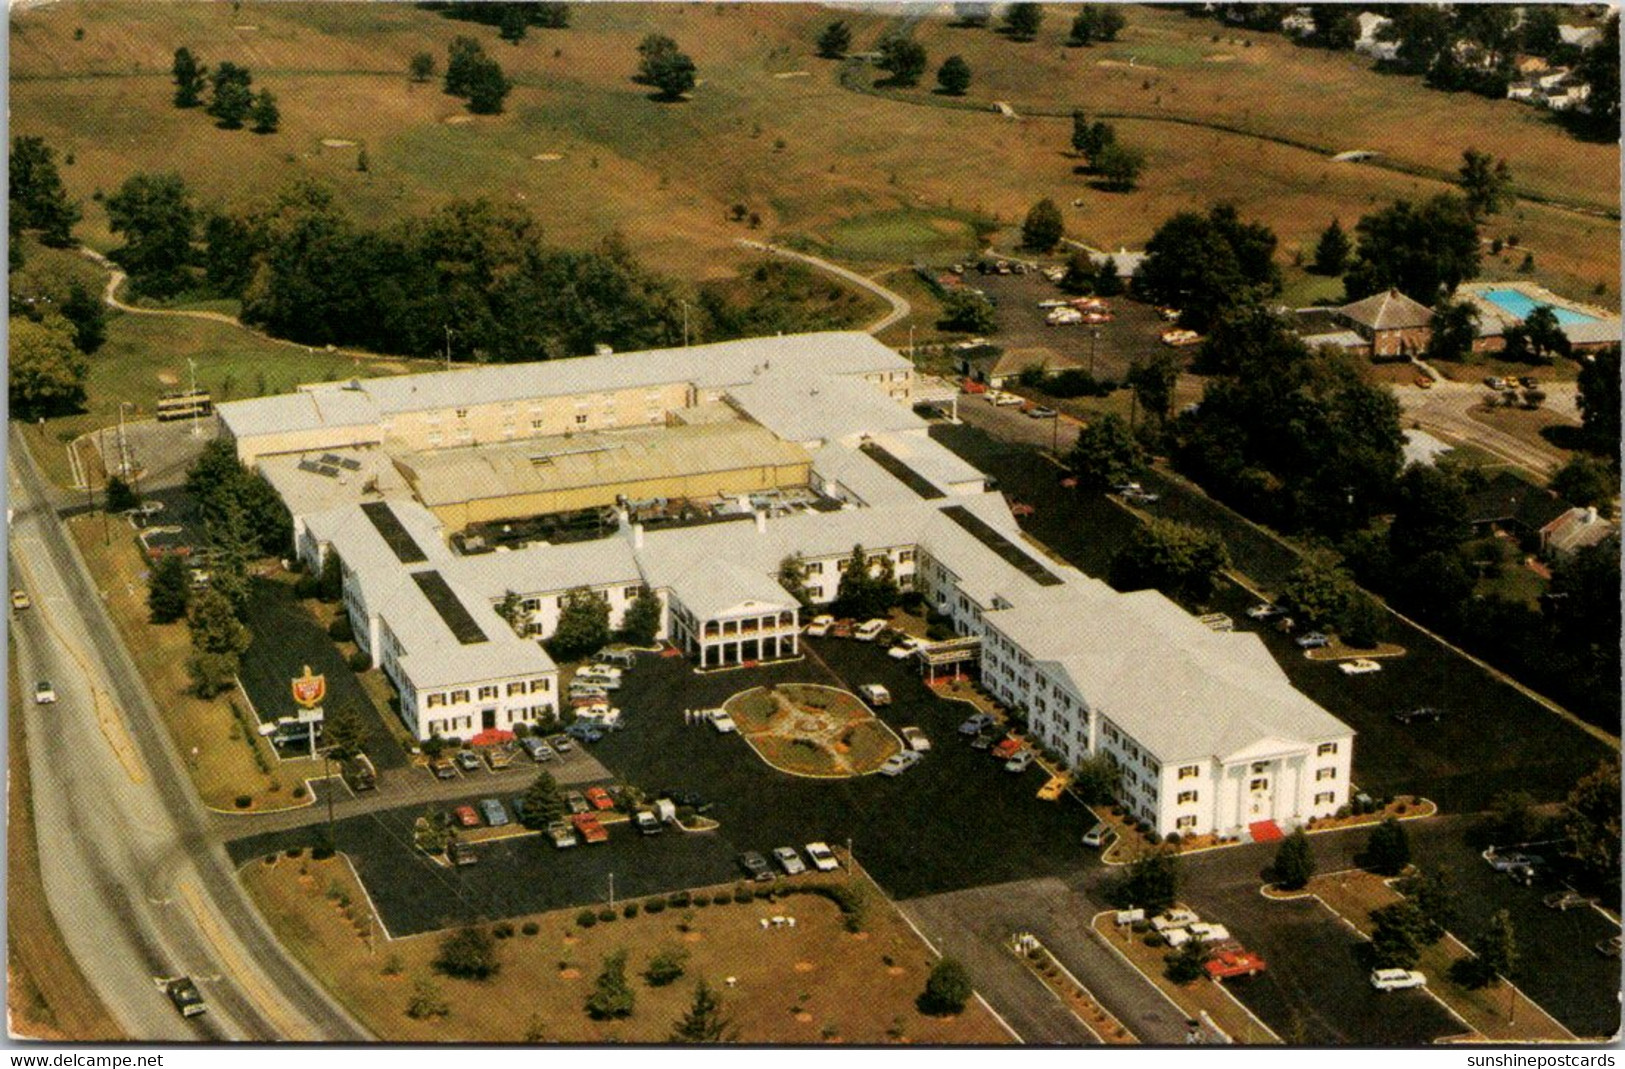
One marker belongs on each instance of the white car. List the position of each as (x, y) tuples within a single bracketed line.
[(1361, 667), (905, 648), (898, 763), (875, 694), (916, 739), (1021, 762), (823, 858), (44, 693), (1002, 399), (1397, 979), (789, 860), (600, 674), (819, 626), (723, 722), (1264, 611), (869, 630)]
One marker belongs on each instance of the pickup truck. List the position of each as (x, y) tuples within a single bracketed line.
[(559, 831), (1007, 748), (1231, 962), (359, 773), (917, 740), (592, 831), (462, 853), (647, 823)]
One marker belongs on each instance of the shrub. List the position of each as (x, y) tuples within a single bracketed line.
[(764, 894), (392, 966), (294, 851), (630, 910), (702, 900), (1152, 939), (299, 791), (530, 928), (359, 661), (744, 895), (243, 801), (666, 966), (656, 905), (1154, 838), (340, 630), (1141, 927), (947, 989), (606, 915), (469, 954), (586, 918), (679, 900), (503, 930), (1173, 839)]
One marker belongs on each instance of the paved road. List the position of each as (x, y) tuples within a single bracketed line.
[(137, 887), (1447, 408), (900, 308)]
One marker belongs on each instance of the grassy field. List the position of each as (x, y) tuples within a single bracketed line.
[(220, 757), (770, 127), (815, 983), (47, 996)]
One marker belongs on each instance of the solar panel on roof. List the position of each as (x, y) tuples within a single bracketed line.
[(350, 464), (439, 593), (309, 465), (328, 470), (393, 532), (1007, 550), (901, 471), (330, 458)]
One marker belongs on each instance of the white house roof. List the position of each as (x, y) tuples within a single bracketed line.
[(332, 406), (808, 408), (717, 587)]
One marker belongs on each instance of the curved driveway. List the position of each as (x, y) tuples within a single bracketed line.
[(900, 308)]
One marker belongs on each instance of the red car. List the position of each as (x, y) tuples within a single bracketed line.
[(599, 798), (1230, 962), (1007, 748), (466, 816), (592, 831)]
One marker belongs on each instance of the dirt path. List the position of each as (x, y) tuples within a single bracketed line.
[(900, 308)]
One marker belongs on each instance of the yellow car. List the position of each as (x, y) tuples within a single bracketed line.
[(1052, 790), (19, 600)]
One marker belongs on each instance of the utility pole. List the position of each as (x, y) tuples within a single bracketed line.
[(612, 890), (1055, 434), (192, 365), (107, 531), (327, 788), (1094, 336), (685, 323), (448, 346)]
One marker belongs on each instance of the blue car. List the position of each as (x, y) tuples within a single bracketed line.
[(494, 812), (584, 732)]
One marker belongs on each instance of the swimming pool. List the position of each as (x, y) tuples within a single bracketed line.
[(1520, 304)]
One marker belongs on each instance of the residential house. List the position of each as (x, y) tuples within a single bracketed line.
[(1394, 324)]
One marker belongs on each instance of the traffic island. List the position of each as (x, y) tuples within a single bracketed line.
[(805, 729), (1496, 1014), (1079, 999)]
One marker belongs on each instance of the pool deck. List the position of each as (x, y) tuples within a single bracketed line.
[(1493, 319)]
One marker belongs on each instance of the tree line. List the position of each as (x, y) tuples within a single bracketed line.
[(231, 97)]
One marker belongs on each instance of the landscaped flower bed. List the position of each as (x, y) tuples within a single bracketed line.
[(810, 730)]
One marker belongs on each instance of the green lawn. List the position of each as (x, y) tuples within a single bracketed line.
[(904, 235)]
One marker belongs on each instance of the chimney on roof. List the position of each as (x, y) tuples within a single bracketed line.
[(1591, 515), (761, 522), (637, 536)]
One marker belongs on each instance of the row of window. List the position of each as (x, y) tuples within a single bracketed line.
[(489, 692)]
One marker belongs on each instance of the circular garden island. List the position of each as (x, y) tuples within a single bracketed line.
[(810, 730)]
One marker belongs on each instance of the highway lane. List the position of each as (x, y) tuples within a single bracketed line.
[(134, 880)]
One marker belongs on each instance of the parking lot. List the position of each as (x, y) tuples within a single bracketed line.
[(1132, 335), (1493, 738), (955, 820)]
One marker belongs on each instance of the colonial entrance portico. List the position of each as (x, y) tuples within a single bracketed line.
[(723, 615)]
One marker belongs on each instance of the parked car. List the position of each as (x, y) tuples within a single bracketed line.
[(499, 758), (44, 693), (723, 722), (755, 866), (1312, 640), (584, 731), (1007, 748), (819, 626), (917, 740), (599, 671), (1425, 712), (561, 744), (1097, 836), (906, 647), (561, 833), (359, 773), (1040, 412), (536, 749), (466, 816), (1397, 979), (592, 831), (19, 599), (1361, 667), (1020, 762), (1052, 789), (461, 853), (468, 760), (822, 857), (1229, 963), (1529, 382), (875, 694), (869, 630), (600, 798), (622, 659), (647, 823), (898, 763), (495, 813), (186, 997), (589, 679), (576, 802), (974, 724), (1003, 400), (1141, 497), (1265, 611), (1563, 901), (444, 769), (984, 740), (789, 860)]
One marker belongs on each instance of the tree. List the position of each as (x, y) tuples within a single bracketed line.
[(835, 39), (487, 87), (665, 67), (1084, 28), (330, 582), (1153, 379), (1097, 779), (427, 1000), (1092, 138), (641, 623), (119, 496), (1539, 32), (1332, 251), (1539, 338), (38, 200), (1108, 283), (1388, 850), (1294, 863), (1081, 133), (265, 114), (513, 23), (666, 966), (1599, 68), (47, 371), (1421, 250), (1021, 21), (1080, 273), (232, 98), (189, 79), (88, 315), (1591, 820), (169, 589), (463, 56), (345, 731), (1318, 592), (793, 578), (1043, 228), (469, 954), (868, 586), (1119, 166), (1178, 559), (947, 989), (903, 59), (1455, 327), (1598, 399), (1586, 481), (954, 76), (612, 997), (704, 1022), (1435, 895), (215, 626), (1206, 264), (212, 673), (1188, 964), (1106, 454), (1486, 185), (156, 216), (1109, 21), (1150, 883), (583, 625), (543, 802), (968, 312), (1430, 510), (1495, 949), (421, 66), (1512, 817), (1396, 935)]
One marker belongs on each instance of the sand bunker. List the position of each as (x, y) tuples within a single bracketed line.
[(794, 74), (457, 120), (547, 157), (337, 142), (1220, 57)]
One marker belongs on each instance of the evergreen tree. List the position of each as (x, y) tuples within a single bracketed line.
[(954, 76), (904, 59), (641, 623), (169, 589), (345, 731), (1043, 228), (612, 997), (463, 56), (543, 802), (1081, 133), (38, 199), (487, 87), (705, 1021), (189, 79), (513, 23), (421, 67), (214, 624), (1332, 251), (232, 99), (1106, 454), (835, 39), (1294, 863), (85, 310), (583, 626), (1022, 20), (120, 497), (947, 989), (265, 113), (1388, 850)]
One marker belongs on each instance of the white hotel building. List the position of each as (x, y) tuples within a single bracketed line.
[(1208, 732)]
